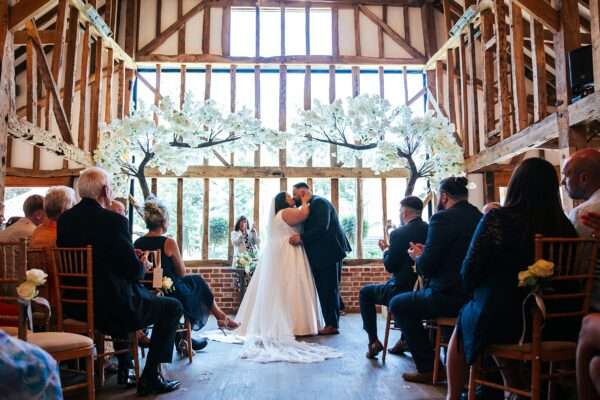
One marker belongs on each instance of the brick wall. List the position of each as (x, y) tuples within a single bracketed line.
[(222, 283)]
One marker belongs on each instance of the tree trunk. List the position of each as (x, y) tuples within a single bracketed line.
[(143, 185), (413, 175)]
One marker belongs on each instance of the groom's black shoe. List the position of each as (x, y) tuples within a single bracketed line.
[(328, 330), (156, 385)]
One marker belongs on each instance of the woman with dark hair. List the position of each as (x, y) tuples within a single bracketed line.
[(503, 245), (191, 290), (244, 240)]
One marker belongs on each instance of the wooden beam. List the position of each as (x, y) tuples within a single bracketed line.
[(85, 71), (464, 99), (206, 31), (487, 21), (472, 93), (541, 11), (225, 32), (357, 44), (47, 36), (502, 63), (282, 120), (25, 10), (540, 97), (32, 96), (108, 95), (95, 99), (158, 18), (179, 234), (210, 171), (405, 84), (205, 218), (256, 32), (171, 29), (50, 84), (57, 52), (72, 39), (4, 20), (121, 70), (405, 11), (518, 68), (450, 71), (181, 31), (390, 32), (595, 34), (335, 34)]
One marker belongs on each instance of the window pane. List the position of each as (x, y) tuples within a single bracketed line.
[(320, 91), (322, 187), (220, 90), (343, 84), (167, 193), (393, 83), (369, 82), (373, 215), (170, 85), (270, 32), (294, 104), (218, 222), (320, 31), (295, 22), (145, 97), (269, 110), (395, 194), (193, 200), (269, 187), (243, 32), (347, 211), (415, 84), (194, 83)]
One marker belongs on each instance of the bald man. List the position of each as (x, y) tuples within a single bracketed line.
[(581, 178)]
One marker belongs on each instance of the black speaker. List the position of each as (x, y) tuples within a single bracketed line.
[(581, 70)]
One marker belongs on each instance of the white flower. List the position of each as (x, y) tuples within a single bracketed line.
[(27, 290), (36, 276), (167, 284)]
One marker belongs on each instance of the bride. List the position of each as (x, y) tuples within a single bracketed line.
[(281, 301)]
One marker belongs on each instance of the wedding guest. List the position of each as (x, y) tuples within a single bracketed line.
[(398, 263), (119, 207), (12, 220), (490, 206), (58, 200), (191, 290), (244, 240), (121, 304), (27, 371), (581, 178), (588, 358), (592, 220), (438, 261), (33, 207), (503, 245)]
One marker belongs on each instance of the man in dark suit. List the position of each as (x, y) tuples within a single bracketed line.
[(398, 263), (121, 304), (439, 262), (326, 246)]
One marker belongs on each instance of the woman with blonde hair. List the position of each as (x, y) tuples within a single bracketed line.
[(191, 290)]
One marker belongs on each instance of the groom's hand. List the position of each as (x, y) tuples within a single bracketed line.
[(295, 240)]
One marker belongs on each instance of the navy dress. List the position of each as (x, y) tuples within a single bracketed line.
[(500, 248), (191, 290)]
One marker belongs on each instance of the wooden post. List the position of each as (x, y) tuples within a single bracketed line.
[(502, 63), (450, 75), (332, 148), (464, 103), (335, 45), (181, 31), (357, 43), (538, 64), (95, 99), (472, 94), (57, 50), (110, 63), (7, 92), (72, 38), (206, 31), (359, 182), (282, 119), (205, 221), (83, 79), (595, 33), (154, 186), (487, 21), (518, 68), (384, 207), (180, 214)]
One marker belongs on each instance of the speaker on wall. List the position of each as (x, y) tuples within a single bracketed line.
[(581, 72)]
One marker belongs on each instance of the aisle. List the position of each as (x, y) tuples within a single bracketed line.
[(217, 373)]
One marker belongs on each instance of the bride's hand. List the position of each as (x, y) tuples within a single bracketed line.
[(306, 197)]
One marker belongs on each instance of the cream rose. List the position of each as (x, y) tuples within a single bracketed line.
[(27, 290), (36, 276), (523, 277), (167, 283), (542, 268)]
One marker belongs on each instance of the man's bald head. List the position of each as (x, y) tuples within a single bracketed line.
[(581, 174)]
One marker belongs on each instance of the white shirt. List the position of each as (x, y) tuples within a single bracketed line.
[(22, 229), (591, 204)]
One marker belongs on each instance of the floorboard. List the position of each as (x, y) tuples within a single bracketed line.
[(217, 373)]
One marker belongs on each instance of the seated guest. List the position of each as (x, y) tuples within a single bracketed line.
[(119, 207), (592, 220), (438, 261), (398, 263), (244, 239), (27, 371), (33, 207), (503, 245), (581, 178), (588, 358), (191, 290), (121, 304), (58, 200)]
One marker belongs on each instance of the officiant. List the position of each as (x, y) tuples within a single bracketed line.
[(244, 240)]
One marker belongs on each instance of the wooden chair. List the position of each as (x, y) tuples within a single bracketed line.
[(148, 281), (574, 264), (73, 272), (438, 326), (61, 346), (39, 258)]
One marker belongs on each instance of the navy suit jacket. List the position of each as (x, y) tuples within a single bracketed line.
[(448, 238), (323, 237), (396, 258), (120, 301)]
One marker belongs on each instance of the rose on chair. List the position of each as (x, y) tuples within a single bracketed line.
[(535, 274), (27, 290), (167, 285)]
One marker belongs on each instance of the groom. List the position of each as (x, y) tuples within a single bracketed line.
[(326, 246)]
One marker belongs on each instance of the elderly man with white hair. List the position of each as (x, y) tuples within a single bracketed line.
[(58, 200), (121, 304)]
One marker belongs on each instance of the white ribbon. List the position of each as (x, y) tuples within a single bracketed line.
[(539, 301)]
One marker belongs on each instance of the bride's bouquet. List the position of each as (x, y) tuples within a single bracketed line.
[(246, 261)]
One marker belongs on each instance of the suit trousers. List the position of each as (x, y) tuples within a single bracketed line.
[(411, 308), (327, 283), (373, 295)]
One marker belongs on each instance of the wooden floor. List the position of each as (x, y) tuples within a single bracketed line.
[(218, 373)]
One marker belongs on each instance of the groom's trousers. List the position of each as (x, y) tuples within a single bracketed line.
[(327, 283)]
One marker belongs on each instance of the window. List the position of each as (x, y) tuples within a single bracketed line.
[(170, 84), (393, 83), (320, 31), (194, 83), (166, 191), (294, 105), (373, 218), (347, 211), (14, 197), (269, 110), (395, 194), (369, 81), (322, 187), (244, 199), (193, 200), (220, 90), (270, 32), (218, 223), (319, 90), (295, 33), (243, 32)]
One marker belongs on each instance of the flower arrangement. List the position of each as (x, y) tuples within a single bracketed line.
[(28, 289), (246, 261), (535, 275)]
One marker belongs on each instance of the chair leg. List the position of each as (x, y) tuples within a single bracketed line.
[(188, 333), (136, 355), (536, 376), (551, 384), (100, 360), (386, 337), (473, 376), (91, 387), (436, 357)]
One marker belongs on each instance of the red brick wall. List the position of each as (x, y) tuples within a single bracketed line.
[(227, 297)]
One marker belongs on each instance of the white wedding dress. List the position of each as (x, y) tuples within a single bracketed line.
[(281, 302)]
